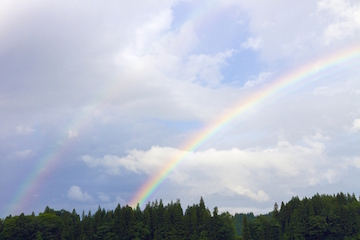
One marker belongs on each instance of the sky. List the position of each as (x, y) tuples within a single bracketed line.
[(245, 103)]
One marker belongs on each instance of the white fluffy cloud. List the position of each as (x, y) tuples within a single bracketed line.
[(257, 80), (278, 33), (245, 172), (205, 69), (346, 19), (75, 193), (136, 161)]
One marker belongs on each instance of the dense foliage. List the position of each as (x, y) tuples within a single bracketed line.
[(156, 221), (321, 217), (238, 221)]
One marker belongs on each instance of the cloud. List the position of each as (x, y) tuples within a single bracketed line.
[(327, 91), (257, 80), (136, 161), (320, 137), (332, 176), (23, 154), (356, 125), (253, 43), (231, 172), (346, 15), (357, 162), (274, 34), (75, 193), (72, 134), (148, 76), (24, 130), (103, 197), (277, 34), (150, 31), (120, 200), (205, 68)]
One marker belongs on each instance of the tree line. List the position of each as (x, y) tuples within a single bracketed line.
[(156, 221), (320, 217)]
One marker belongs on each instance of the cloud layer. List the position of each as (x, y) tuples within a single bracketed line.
[(103, 94)]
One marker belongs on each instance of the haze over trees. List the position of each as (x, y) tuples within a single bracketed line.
[(320, 217)]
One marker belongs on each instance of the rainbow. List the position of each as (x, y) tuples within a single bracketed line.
[(275, 87), (44, 167), (50, 160), (32, 183)]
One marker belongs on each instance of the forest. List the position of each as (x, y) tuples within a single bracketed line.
[(320, 217)]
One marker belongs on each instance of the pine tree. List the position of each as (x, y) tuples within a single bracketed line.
[(276, 211), (246, 229)]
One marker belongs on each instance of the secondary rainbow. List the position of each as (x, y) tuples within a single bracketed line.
[(297, 76), (45, 166), (42, 169)]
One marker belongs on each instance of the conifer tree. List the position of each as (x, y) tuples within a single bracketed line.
[(246, 229)]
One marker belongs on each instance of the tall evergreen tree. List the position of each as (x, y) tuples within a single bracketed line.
[(246, 229)]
